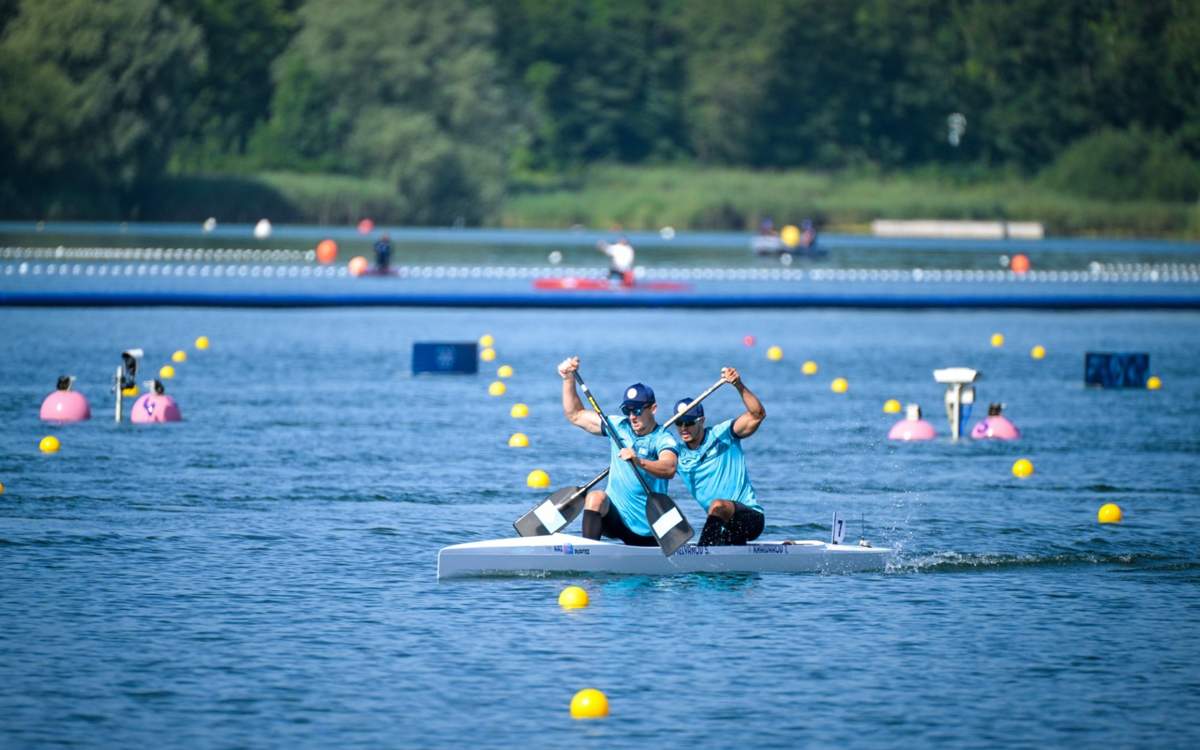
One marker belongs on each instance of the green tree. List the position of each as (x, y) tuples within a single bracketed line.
[(403, 89), (93, 95), (242, 39), (602, 79)]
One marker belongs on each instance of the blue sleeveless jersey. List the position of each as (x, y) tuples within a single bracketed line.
[(624, 490), (717, 469)]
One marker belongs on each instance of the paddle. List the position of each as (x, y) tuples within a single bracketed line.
[(557, 511), (670, 527)]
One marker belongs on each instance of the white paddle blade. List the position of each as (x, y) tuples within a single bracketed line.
[(667, 521), (550, 516)]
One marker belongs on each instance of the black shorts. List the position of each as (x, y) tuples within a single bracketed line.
[(745, 526), (615, 528)]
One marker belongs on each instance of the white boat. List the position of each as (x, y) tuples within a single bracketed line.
[(566, 553)]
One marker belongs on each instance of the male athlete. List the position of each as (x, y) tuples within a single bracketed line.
[(653, 451), (713, 467)]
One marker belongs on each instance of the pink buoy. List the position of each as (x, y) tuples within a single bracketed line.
[(64, 404), (995, 426), (154, 406), (912, 427)]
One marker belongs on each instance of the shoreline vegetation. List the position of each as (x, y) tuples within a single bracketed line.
[(1080, 114), (687, 198)]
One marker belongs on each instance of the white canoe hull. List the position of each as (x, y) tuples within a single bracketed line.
[(566, 553)]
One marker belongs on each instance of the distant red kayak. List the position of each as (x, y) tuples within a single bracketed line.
[(574, 283)]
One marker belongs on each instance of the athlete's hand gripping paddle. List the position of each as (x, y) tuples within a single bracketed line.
[(556, 512), (670, 527)]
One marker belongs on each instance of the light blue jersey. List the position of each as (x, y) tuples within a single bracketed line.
[(717, 469), (624, 490)]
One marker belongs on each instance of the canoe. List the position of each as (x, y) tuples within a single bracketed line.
[(566, 553), (581, 284)]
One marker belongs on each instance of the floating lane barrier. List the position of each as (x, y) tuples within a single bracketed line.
[(248, 277)]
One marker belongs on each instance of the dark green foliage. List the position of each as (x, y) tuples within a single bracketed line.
[(93, 98), (1126, 165), (406, 90), (454, 102), (242, 38)]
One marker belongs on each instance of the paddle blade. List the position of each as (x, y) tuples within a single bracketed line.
[(552, 514), (670, 527)]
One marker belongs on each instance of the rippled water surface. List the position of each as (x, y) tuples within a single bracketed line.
[(263, 574)]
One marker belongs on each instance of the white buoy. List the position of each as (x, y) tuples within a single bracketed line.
[(262, 229), (210, 224)]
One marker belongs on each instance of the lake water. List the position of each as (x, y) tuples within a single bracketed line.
[(263, 573)]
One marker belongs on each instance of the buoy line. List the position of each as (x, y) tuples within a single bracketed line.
[(215, 271), (151, 266), (160, 254)]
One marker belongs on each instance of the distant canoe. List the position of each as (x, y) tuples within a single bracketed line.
[(579, 284), (769, 244)]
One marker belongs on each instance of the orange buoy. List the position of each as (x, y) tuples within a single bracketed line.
[(326, 252)]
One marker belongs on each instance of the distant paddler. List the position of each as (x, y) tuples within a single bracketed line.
[(619, 510), (383, 254), (713, 467), (620, 260)]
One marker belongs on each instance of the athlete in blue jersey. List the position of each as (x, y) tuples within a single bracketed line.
[(713, 467), (653, 451)]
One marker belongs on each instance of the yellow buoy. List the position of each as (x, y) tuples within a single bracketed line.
[(1038, 352), (129, 392), (775, 354), (589, 703), (486, 340), (166, 372), (179, 356), (538, 479), (790, 235), (839, 385), (497, 388), (504, 371), (49, 444), (519, 411), (518, 440), (573, 597), (1, 488), (1022, 468), (1153, 383), (891, 406), (488, 354), (1109, 513), (809, 368), (202, 343), (997, 339)]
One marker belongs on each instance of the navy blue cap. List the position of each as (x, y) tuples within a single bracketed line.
[(637, 396), (696, 412)]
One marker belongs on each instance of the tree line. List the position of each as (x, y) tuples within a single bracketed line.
[(455, 103)]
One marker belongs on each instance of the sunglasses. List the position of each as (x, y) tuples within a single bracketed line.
[(687, 422), (633, 411)]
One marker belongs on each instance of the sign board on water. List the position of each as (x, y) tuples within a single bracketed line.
[(445, 357), (1116, 369)]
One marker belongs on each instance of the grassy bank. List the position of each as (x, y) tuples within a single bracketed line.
[(686, 198), (709, 198)]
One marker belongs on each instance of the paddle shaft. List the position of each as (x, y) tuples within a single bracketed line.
[(535, 522), (608, 429)]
